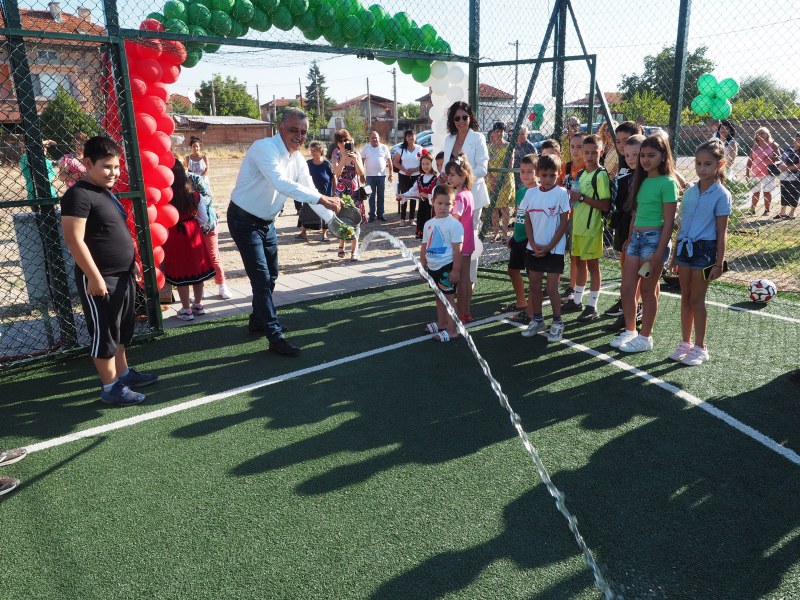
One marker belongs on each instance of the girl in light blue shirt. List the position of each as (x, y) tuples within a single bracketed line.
[(700, 249)]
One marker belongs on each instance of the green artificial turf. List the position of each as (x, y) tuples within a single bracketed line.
[(399, 475)]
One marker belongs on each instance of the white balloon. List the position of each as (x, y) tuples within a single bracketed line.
[(438, 69), (439, 86), (441, 100), (455, 74), (455, 93), (435, 112), (441, 124), (437, 139)]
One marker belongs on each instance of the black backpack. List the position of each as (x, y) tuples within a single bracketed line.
[(612, 184)]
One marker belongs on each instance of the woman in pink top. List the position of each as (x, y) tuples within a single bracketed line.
[(459, 174), (764, 154)]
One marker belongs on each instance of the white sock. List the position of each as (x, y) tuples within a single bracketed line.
[(593, 297), (128, 370), (107, 387), (578, 297)]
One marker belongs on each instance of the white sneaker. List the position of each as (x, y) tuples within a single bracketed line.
[(185, 314), (638, 344), (224, 292), (533, 328), (622, 338), (681, 351), (697, 356), (556, 332)]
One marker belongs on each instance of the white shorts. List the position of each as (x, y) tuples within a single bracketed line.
[(767, 183)]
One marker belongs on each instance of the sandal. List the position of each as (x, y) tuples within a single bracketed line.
[(340, 254), (443, 336), (511, 308), (301, 236), (431, 328)]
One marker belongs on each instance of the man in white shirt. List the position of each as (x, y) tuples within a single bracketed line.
[(273, 170), (377, 162)]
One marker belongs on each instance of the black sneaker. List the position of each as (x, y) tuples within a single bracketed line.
[(617, 326), (283, 347), (570, 306), (120, 395), (382, 218), (615, 310), (371, 220), (589, 314), (136, 379)]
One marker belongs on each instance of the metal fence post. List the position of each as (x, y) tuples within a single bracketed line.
[(474, 55), (679, 72), (558, 72)]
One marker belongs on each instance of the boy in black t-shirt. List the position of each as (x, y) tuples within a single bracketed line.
[(96, 233)]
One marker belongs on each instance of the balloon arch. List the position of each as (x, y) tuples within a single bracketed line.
[(154, 64)]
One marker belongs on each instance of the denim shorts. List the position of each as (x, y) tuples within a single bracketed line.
[(704, 254), (644, 243)]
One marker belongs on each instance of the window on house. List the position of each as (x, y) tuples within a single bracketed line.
[(46, 56), (45, 85), (424, 110)]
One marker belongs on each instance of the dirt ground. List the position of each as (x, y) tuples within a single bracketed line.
[(294, 254)]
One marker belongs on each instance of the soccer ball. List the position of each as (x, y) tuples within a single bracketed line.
[(762, 291)]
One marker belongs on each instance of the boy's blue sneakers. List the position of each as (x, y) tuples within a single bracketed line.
[(121, 395), (136, 379)]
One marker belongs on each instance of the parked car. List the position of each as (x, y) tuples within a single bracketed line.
[(653, 130), (424, 139), (537, 138)]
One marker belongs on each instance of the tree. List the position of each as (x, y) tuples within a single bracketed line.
[(761, 108), (63, 119), (767, 89), (317, 87), (657, 75), (647, 104), (177, 106), (356, 125), (408, 111), (230, 98)]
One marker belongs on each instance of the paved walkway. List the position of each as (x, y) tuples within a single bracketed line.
[(300, 287)]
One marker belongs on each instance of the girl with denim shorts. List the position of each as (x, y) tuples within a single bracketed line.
[(701, 248), (652, 202)]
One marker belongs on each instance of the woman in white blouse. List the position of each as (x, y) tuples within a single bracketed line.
[(464, 137)]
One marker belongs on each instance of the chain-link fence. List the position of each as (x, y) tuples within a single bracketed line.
[(54, 94)]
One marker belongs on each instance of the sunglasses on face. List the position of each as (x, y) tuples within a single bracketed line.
[(458, 118)]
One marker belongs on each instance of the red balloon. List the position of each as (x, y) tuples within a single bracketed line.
[(159, 90), (160, 177), (151, 25), (160, 279), (159, 142), (152, 213), (145, 125), (170, 72), (158, 234), (131, 52), (174, 52), (158, 255), (152, 195), (167, 159), (166, 195), (166, 124), (150, 105), (149, 159), (148, 69), (167, 215), (532, 117), (138, 87), (149, 48)]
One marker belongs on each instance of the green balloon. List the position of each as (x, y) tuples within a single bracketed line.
[(379, 12), (416, 38), (727, 88), (298, 7), (406, 65), (403, 20), (175, 9), (196, 32), (421, 72), (225, 6), (429, 33), (375, 38), (268, 6), (392, 29), (706, 84), (325, 16), (243, 11), (351, 27), (156, 16), (282, 18), (340, 8), (720, 108), (236, 29), (307, 22), (260, 20), (313, 33), (701, 104), (176, 26), (333, 34), (367, 20), (192, 58), (221, 23), (197, 14), (446, 49), (211, 48), (353, 7), (386, 60)]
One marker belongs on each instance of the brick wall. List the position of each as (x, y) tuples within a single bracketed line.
[(226, 134)]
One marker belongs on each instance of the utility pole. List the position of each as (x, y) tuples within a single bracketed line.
[(369, 109), (316, 92), (274, 110), (258, 101), (516, 75), (394, 134), (300, 97), (213, 98)]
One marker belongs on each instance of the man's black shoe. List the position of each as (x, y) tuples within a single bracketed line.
[(254, 326), (382, 218), (284, 348)]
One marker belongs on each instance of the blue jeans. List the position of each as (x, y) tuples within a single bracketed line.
[(378, 185), (258, 246), (644, 243)]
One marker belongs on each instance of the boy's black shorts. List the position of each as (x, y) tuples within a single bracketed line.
[(442, 279), (549, 263), (622, 228), (516, 258), (109, 319)]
